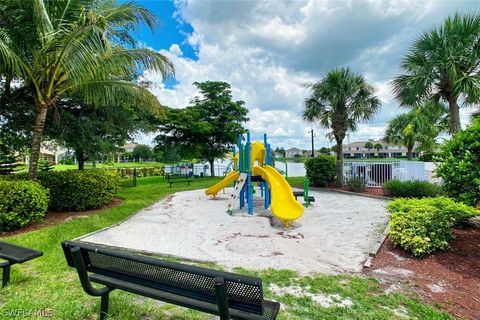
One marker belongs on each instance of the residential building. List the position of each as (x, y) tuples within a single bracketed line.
[(389, 150), (293, 152)]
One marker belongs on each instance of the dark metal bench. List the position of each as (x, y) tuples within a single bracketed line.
[(231, 296), (170, 182), (14, 254), (297, 194)]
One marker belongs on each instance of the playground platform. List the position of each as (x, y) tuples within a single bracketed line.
[(333, 235)]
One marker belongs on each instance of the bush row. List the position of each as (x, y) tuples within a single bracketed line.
[(21, 202), (141, 172), (79, 190), (412, 189), (423, 226)]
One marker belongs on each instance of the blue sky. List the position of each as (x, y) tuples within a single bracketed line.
[(267, 50)]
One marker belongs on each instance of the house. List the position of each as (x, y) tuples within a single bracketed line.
[(358, 150), (293, 152), (128, 147)]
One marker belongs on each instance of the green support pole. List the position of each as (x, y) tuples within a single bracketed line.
[(305, 192)]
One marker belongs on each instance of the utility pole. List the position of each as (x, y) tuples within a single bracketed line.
[(312, 135)]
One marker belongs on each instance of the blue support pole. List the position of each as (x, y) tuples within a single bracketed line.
[(240, 168), (249, 176)]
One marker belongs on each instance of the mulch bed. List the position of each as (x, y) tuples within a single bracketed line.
[(450, 279), (53, 218), (368, 191)]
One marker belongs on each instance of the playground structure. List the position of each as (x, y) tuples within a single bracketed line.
[(252, 163)]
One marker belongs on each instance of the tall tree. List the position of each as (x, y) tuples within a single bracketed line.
[(142, 152), (421, 125), (378, 147), (207, 129), (78, 48), (340, 101), (443, 64), (369, 145)]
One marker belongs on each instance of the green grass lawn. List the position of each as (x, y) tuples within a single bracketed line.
[(47, 285)]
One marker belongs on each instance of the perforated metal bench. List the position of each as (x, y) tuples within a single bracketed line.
[(228, 295), (13, 254), (170, 182)]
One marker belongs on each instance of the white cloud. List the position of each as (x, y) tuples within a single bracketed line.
[(267, 50)]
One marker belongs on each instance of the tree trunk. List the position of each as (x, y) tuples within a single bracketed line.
[(37, 141), (339, 150), (409, 152), (212, 170), (454, 115), (80, 159)]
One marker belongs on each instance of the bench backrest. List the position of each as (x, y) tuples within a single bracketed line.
[(243, 292)]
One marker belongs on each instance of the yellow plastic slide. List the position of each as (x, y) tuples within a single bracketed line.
[(229, 178), (283, 205)]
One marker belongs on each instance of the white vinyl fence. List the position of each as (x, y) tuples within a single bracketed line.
[(375, 173)]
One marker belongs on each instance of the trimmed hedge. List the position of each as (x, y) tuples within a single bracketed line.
[(21, 202), (423, 226), (321, 170), (141, 172), (80, 190), (412, 189)]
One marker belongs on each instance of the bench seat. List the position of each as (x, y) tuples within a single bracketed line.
[(270, 308), (229, 295), (14, 254)]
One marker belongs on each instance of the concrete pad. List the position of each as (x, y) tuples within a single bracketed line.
[(333, 235)]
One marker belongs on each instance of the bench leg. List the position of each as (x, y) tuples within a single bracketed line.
[(6, 276), (221, 294), (104, 306)]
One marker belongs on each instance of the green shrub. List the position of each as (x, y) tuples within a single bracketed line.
[(459, 165), (141, 172), (423, 226), (21, 202), (80, 190), (45, 165), (321, 170), (356, 184), (412, 189)]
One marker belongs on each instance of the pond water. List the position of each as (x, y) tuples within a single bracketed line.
[(294, 169)]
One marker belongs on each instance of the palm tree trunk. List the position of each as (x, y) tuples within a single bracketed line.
[(212, 170), (339, 150), (37, 141), (454, 115), (409, 152)]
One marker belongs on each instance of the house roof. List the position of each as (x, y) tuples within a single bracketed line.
[(294, 150)]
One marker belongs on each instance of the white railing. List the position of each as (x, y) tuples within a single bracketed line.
[(376, 173)]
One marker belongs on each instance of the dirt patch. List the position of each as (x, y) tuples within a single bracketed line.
[(54, 218), (324, 300), (449, 279)]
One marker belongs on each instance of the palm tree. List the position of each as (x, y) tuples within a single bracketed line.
[(378, 147), (77, 48), (421, 125), (368, 145), (443, 64), (339, 102)]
